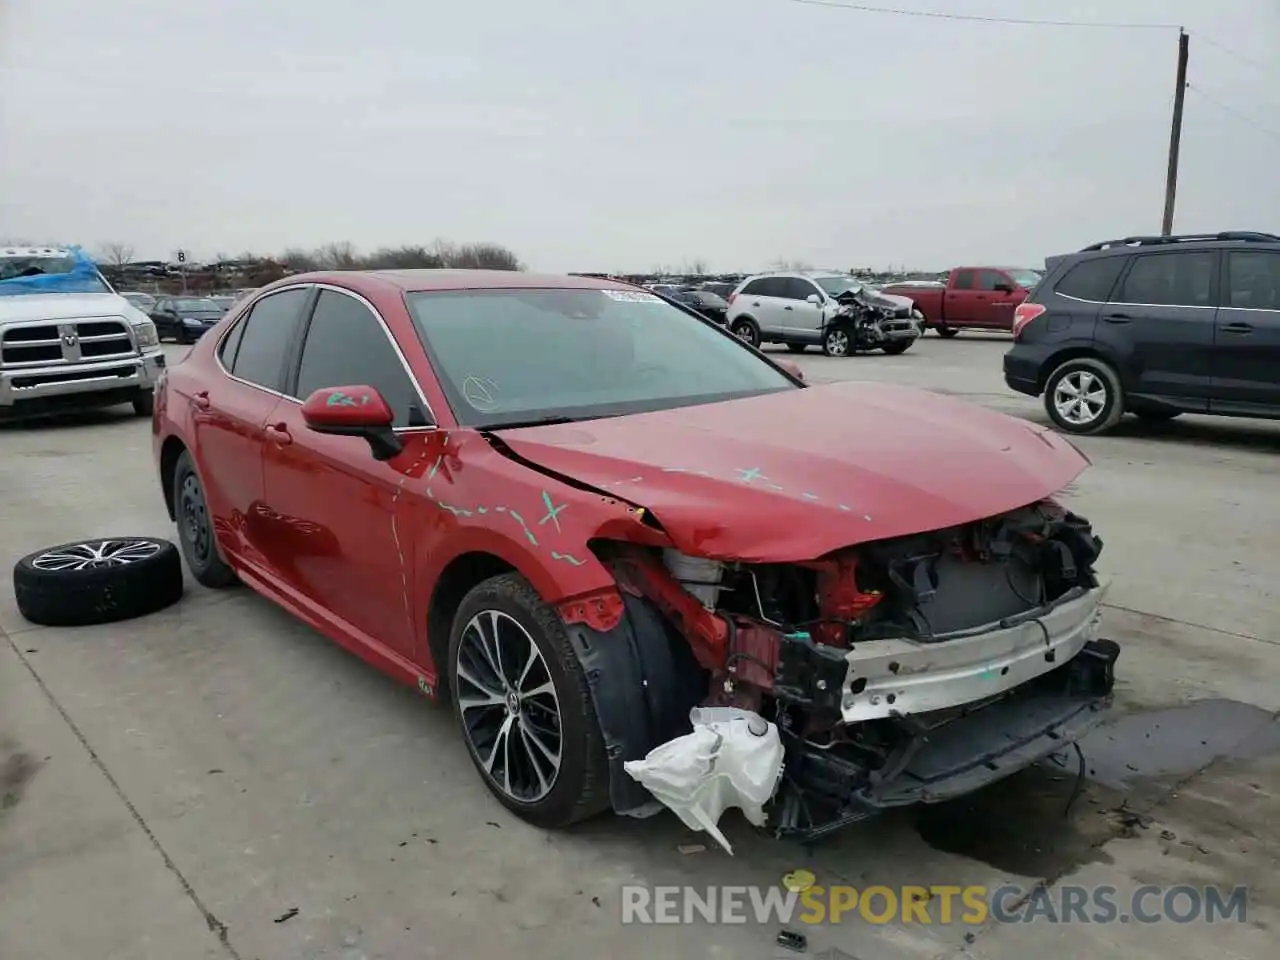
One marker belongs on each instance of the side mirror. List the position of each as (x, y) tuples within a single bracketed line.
[(791, 368), (814, 298), (357, 411)]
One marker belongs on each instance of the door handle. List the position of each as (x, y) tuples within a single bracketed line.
[(201, 400), (1116, 317), (1238, 327), (279, 434)]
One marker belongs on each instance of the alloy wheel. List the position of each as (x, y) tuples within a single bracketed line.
[(509, 708), (1080, 397), (837, 343), (95, 554)]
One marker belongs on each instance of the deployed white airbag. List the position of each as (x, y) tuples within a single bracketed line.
[(733, 758)]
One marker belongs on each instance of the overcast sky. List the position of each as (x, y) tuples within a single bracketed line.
[(628, 134)]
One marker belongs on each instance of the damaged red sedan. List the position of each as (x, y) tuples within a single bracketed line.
[(577, 512)]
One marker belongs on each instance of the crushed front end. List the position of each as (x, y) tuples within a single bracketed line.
[(910, 670)]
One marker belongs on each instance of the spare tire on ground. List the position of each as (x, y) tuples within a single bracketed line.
[(97, 581)]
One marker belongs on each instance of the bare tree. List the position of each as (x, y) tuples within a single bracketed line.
[(695, 267), (117, 254), (295, 260), (341, 255)]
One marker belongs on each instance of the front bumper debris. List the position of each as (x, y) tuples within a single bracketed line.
[(902, 676), (948, 754)]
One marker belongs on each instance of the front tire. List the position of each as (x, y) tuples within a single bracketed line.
[(521, 697), (1084, 396), (144, 404), (195, 528), (897, 347), (838, 342), (747, 331), (947, 332)]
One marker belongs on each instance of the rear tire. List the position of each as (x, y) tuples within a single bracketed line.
[(747, 331), (512, 667), (1084, 396), (196, 530)]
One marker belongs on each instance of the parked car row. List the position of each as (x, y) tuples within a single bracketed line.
[(1154, 326)]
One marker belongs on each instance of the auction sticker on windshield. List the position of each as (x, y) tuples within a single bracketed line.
[(632, 296)]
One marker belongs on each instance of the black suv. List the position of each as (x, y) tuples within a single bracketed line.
[(1154, 326)]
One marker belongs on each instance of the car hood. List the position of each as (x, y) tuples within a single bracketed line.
[(63, 306), (792, 476)]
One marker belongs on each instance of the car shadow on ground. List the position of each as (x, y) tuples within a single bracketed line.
[(1259, 435)]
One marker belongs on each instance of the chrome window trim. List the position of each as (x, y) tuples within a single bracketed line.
[(1127, 303), (386, 330)]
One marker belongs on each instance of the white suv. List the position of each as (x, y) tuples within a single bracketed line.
[(802, 310)]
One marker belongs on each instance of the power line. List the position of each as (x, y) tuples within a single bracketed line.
[(1256, 64), (938, 15), (1238, 114)]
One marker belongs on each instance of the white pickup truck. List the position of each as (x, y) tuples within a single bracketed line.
[(68, 341)]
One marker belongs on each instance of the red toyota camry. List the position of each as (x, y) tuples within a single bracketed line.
[(577, 511)]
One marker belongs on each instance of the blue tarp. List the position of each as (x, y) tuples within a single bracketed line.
[(82, 277)]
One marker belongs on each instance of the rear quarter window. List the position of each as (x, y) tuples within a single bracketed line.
[(1091, 280)]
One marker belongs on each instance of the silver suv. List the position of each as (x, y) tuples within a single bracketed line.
[(67, 340), (832, 310)]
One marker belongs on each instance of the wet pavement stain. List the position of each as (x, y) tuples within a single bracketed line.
[(1177, 742), (16, 771), (1021, 825)]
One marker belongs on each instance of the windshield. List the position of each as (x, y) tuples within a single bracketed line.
[(515, 356), (78, 278), (196, 306), (1024, 278), (838, 285)]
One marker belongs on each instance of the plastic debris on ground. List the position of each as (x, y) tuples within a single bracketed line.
[(733, 758)]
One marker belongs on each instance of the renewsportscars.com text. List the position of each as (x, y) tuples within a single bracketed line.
[(971, 905)]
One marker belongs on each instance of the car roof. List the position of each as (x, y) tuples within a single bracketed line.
[(421, 281)]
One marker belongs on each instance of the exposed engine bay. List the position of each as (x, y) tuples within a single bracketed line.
[(873, 320), (901, 671)]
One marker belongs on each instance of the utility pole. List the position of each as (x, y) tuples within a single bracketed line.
[(1175, 135)]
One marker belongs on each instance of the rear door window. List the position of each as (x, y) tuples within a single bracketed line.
[(1183, 279), (269, 332), (1092, 280), (770, 287), (1253, 280), (963, 280)]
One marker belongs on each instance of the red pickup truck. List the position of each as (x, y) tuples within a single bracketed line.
[(979, 297)]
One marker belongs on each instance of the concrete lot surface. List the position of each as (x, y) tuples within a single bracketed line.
[(218, 781)]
